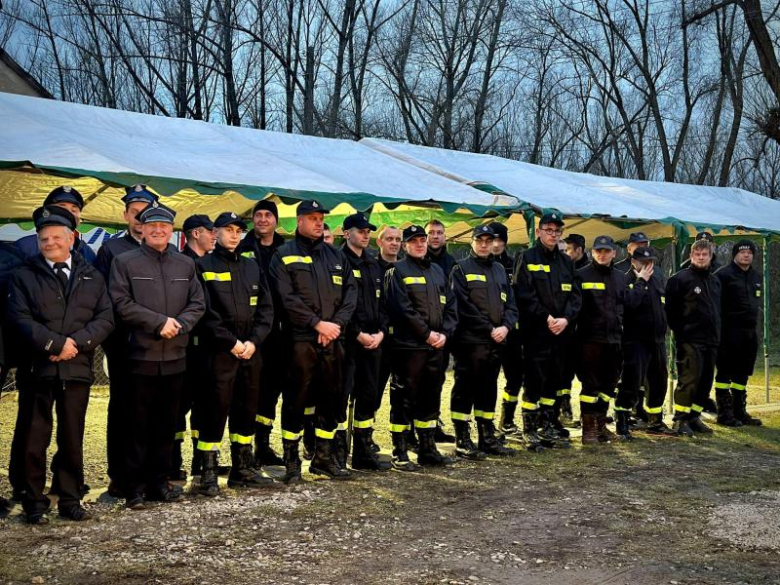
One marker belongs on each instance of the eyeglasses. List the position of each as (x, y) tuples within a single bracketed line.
[(552, 232)]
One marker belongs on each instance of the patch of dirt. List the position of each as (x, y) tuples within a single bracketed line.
[(750, 521)]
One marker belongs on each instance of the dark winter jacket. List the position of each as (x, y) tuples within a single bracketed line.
[(644, 317), (693, 306), (370, 314), (603, 294), (741, 292)]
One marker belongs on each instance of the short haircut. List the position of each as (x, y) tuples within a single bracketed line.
[(702, 245), (434, 221), (381, 234)]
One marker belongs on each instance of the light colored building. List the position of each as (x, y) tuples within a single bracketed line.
[(14, 79)]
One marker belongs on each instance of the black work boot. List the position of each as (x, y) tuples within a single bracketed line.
[(622, 426), (242, 474), (530, 436), (363, 457), (682, 428), (464, 446), (725, 403), (548, 433), (488, 442), (401, 459), (323, 462), (197, 458), (308, 437), (412, 444), (292, 461), (590, 431), (507, 422), (740, 409), (209, 485), (657, 426), (264, 454), (697, 426), (440, 436), (429, 454), (177, 473), (339, 449), (371, 443), (604, 434), (567, 415)]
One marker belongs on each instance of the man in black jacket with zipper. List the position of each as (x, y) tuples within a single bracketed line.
[(364, 343), (486, 315), (238, 320), (423, 315), (741, 289), (136, 199), (644, 342), (60, 309), (548, 299), (693, 309), (599, 336), (156, 293), (261, 244), (318, 295)]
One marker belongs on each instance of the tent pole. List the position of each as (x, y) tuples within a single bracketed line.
[(766, 316), (679, 240)]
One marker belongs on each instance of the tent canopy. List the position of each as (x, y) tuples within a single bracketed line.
[(595, 204), (100, 151)]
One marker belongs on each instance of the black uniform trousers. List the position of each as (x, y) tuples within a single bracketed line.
[(385, 374), (599, 371), (273, 378), (38, 397), (569, 367), (232, 391), (417, 397), (736, 358), (512, 364), (476, 380), (316, 378), (544, 355), (361, 382), (151, 407), (115, 348), (695, 373), (196, 380), (644, 364)]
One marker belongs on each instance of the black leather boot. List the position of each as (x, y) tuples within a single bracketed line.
[(264, 454), (242, 474), (429, 454), (323, 462), (682, 428), (401, 459), (464, 446), (339, 449), (740, 409), (697, 426), (549, 434), (657, 426), (507, 422), (308, 437), (725, 404), (363, 457), (530, 435), (209, 485), (292, 461), (604, 434), (622, 426), (488, 442), (440, 435)]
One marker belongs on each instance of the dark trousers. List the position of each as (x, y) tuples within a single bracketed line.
[(644, 364), (151, 407), (736, 358), (316, 378), (361, 382), (196, 384), (476, 380), (115, 349), (273, 379), (512, 363), (599, 371), (385, 374), (37, 401), (233, 391), (695, 372), (417, 397), (569, 367), (544, 355)]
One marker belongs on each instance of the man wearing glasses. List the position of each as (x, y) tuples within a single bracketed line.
[(548, 299)]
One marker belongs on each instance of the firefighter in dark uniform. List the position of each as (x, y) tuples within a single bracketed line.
[(389, 242), (486, 315), (318, 295), (693, 309), (423, 315), (599, 335), (635, 241), (714, 265), (200, 239), (644, 342), (548, 299), (364, 344), (239, 317), (68, 198), (741, 290), (512, 349), (157, 296), (575, 249), (260, 244), (59, 308), (136, 199)]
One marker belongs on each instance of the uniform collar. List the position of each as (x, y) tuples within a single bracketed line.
[(424, 262), (223, 252), (308, 243), (483, 261)]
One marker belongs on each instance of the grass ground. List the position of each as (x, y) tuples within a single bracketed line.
[(651, 511)]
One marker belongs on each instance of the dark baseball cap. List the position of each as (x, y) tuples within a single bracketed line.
[(413, 231), (604, 243), (311, 206), (483, 230), (552, 216), (638, 237), (197, 221), (229, 218), (156, 211), (53, 215), (643, 254), (64, 194), (576, 239), (138, 194), (502, 232), (359, 221)]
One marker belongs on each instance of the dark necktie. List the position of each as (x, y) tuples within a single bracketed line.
[(59, 270)]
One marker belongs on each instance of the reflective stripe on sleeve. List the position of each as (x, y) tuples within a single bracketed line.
[(414, 280), (296, 260), (594, 286), (218, 276), (538, 268), (476, 277)]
